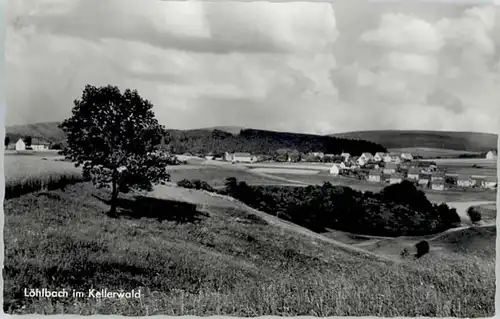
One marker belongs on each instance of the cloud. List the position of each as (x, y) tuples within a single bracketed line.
[(404, 32), (307, 67)]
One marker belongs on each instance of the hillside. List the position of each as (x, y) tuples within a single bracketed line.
[(235, 130), (214, 256), (47, 131), (462, 141), (217, 141)]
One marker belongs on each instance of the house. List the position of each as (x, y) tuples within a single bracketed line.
[(413, 173), (361, 161), (335, 170), (38, 144), (379, 156), (20, 145), (407, 156), (492, 155), (318, 154), (489, 182), (437, 185), (437, 176), (395, 178), (464, 181), (390, 168), (375, 176), (477, 181), (387, 158), (396, 159), (424, 179), (367, 156), (346, 156), (239, 157)]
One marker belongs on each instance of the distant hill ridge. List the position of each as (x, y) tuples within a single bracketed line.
[(461, 141), (219, 137)]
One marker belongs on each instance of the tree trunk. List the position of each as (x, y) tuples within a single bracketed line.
[(114, 197)]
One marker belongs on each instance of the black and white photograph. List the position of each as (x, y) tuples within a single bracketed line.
[(245, 159)]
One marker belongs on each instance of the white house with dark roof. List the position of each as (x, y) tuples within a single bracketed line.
[(490, 182), (437, 185), (413, 173), (375, 176), (464, 181), (390, 168)]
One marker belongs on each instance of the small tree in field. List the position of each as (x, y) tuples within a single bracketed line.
[(114, 137), (474, 214)]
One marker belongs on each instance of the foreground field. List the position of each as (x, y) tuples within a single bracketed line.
[(213, 256)]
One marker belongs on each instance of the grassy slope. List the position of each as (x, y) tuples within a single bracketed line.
[(464, 141), (230, 262)]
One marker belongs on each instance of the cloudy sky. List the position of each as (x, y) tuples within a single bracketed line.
[(306, 67)]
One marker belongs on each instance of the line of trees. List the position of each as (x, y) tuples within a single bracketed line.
[(264, 142)]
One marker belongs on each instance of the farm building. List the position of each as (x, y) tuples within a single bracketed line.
[(413, 173), (20, 145), (407, 156), (424, 179), (395, 178), (437, 176), (437, 185), (491, 155), (335, 170), (375, 176), (464, 181), (489, 182), (390, 168)]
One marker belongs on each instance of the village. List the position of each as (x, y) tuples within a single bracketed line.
[(380, 167)]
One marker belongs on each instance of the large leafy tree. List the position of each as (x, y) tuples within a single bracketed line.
[(115, 136)]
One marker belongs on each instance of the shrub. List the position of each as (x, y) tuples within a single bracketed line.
[(474, 214), (422, 248), (195, 184)]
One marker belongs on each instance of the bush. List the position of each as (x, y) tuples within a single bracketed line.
[(474, 214), (195, 184), (422, 248)]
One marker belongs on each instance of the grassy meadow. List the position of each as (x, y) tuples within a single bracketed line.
[(224, 260)]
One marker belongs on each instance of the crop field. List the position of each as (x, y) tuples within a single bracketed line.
[(216, 176), (299, 166), (19, 167), (291, 171)]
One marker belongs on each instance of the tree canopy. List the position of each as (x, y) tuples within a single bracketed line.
[(114, 137)]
